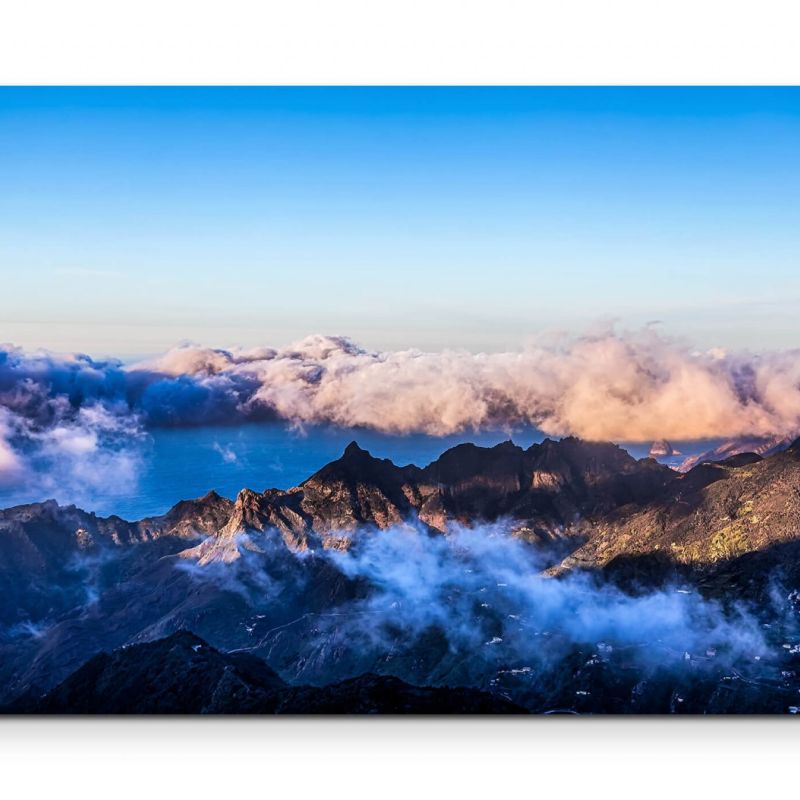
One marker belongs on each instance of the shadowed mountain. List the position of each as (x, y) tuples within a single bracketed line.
[(182, 674), (544, 489), (262, 575), (749, 444), (712, 514)]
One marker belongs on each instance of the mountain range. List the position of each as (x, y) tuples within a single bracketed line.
[(272, 602)]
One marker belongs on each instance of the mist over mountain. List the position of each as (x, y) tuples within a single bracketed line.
[(566, 576)]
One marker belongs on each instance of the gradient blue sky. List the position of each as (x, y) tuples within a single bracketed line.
[(132, 219)]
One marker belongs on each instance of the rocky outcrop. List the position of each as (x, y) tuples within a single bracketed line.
[(713, 514), (189, 519), (762, 446), (546, 487), (662, 448)]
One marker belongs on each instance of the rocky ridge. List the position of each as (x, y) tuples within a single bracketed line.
[(77, 585)]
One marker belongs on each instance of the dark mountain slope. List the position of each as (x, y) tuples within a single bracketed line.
[(182, 674), (710, 516), (545, 488), (177, 675), (384, 694), (548, 486), (250, 575)]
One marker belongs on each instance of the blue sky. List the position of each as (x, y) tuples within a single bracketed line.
[(133, 219)]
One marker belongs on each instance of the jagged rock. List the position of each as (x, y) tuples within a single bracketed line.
[(715, 513), (662, 448), (762, 446)]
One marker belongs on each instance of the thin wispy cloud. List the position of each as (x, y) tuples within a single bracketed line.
[(87, 272)]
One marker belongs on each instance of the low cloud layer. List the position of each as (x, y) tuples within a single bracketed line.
[(473, 608), (485, 589), (614, 386), (624, 387)]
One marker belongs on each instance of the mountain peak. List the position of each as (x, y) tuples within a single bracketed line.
[(662, 448), (353, 449)]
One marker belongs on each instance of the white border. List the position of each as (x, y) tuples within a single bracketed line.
[(414, 758), (409, 42), (394, 41)]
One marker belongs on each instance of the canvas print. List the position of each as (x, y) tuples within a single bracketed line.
[(408, 400)]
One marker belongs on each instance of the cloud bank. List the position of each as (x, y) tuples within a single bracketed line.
[(473, 608), (623, 387), (65, 428), (612, 386), (484, 587)]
